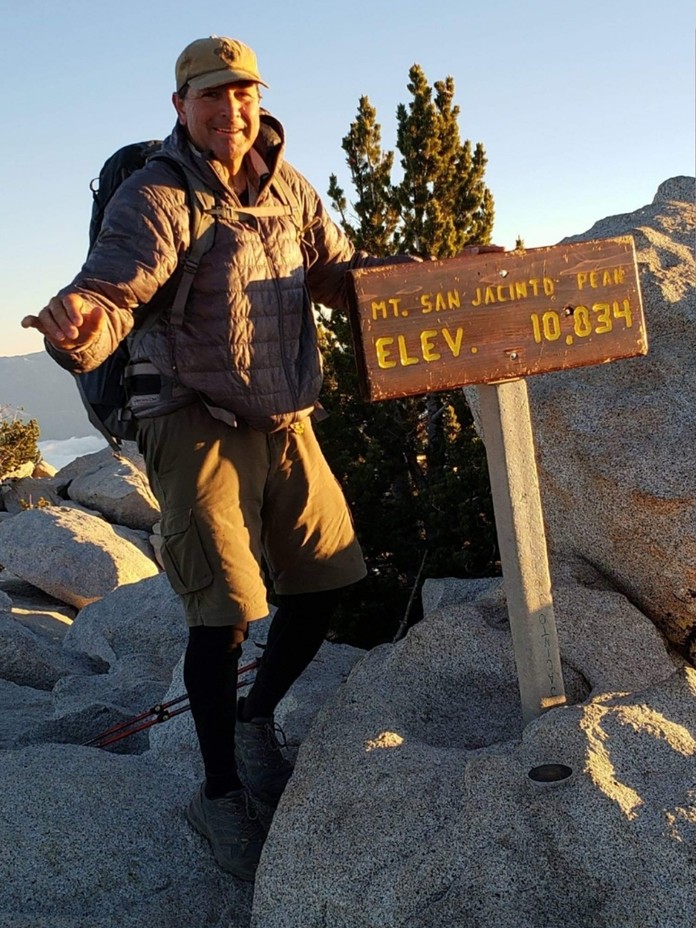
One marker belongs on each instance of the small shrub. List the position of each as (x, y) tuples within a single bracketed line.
[(41, 503), (18, 443)]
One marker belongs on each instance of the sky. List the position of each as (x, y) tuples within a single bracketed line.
[(583, 108)]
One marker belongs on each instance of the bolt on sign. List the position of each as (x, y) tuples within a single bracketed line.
[(435, 325)]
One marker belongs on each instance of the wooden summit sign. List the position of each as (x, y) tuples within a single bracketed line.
[(493, 319), (489, 318)]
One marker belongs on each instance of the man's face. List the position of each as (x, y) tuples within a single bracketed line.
[(224, 120)]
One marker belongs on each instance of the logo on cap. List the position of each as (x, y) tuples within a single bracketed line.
[(227, 52)]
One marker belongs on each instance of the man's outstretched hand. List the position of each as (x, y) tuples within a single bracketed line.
[(68, 322)]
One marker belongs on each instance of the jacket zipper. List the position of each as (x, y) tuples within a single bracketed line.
[(281, 328), (279, 296)]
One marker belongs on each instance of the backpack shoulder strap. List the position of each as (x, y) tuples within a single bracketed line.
[(201, 205), (202, 224), (288, 196)]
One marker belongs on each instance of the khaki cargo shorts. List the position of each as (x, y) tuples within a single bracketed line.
[(234, 499)]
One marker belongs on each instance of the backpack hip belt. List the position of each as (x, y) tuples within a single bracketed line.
[(145, 385)]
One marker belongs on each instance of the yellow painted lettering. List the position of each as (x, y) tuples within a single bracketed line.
[(623, 312), (594, 282), (613, 275), (548, 286), (454, 344), (478, 298), (453, 299), (499, 293), (490, 296), (427, 347), (603, 311), (379, 307), (582, 279), (440, 302), (534, 284), (404, 357), (520, 290), (426, 303), (383, 352)]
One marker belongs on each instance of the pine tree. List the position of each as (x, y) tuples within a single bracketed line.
[(370, 167), (413, 469)]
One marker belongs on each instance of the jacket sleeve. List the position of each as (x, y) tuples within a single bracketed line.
[(329, 254), (137, 251)]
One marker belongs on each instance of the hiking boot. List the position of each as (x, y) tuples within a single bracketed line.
[(233, 829), (263, 767)]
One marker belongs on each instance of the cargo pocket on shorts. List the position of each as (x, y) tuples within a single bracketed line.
[(182, 552)]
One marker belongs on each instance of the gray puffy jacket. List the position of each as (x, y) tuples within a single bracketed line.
[(248, 341)]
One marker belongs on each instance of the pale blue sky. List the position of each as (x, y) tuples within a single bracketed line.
[(583, 107)]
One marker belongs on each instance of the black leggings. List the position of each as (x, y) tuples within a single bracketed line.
[(295, 635)]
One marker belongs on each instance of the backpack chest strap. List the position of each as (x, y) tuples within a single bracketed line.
[(233, 213)]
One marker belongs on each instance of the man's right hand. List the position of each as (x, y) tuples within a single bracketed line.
[(68, 322)]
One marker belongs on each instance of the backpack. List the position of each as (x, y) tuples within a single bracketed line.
[(103, 390)]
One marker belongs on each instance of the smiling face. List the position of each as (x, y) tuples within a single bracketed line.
[(223, 120)]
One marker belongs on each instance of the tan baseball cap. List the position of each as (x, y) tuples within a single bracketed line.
[(215, 61)]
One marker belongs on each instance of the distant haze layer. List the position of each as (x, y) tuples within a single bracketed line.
[(59, 453), (37, 388)]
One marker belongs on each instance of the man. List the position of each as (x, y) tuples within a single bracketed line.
[(224, 420)]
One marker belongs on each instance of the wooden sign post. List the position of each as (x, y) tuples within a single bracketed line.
[(494, 319)]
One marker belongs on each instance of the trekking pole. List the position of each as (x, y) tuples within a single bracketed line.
[(403, 625), (160, 712)]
